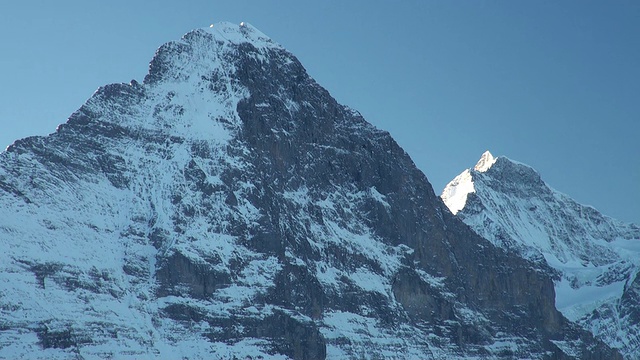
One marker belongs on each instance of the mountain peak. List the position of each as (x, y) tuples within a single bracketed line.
[(510, 175), (456, 192), (211, 52), (594, 257), (485, 162), (238, 33)]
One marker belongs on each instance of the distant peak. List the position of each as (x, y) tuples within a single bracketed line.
[(485, 162)]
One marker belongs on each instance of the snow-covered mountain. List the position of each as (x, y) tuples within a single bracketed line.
[(228, 207), (595, 259)]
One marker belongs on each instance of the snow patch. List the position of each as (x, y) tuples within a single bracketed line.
[(377, 196), (456, 192)]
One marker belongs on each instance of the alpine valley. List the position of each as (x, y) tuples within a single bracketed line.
[(227, 207), (593, 259)]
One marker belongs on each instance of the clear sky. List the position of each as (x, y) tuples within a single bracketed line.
[(552, 84)]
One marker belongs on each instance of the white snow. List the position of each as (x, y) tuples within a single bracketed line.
[(379, 197), (456, 192), (574, 303), (352, 335), (485, 162), (239, 33)]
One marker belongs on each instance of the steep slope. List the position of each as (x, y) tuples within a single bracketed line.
[(595, 259), (229, 207)]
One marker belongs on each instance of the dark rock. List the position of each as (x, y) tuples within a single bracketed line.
[(294, 338), (60, 339), (421, 302), (180, 276), (630, 299)]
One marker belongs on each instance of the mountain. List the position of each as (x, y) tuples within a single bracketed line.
[(228, 207), (594, 259)]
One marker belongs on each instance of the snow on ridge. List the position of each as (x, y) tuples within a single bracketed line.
[(456, 192), (485, 162), (193, 94), (515, 162), (239, 33)]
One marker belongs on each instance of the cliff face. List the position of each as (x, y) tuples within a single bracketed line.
[(228, 205), (593, 258)]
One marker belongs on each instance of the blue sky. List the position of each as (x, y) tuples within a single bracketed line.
[(555, 85)]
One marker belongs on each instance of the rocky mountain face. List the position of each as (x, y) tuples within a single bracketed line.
[(594, 259), (228, 207)]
